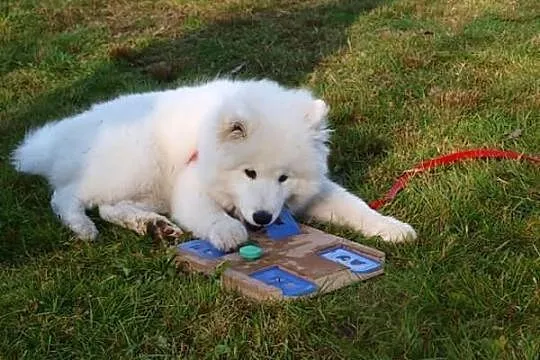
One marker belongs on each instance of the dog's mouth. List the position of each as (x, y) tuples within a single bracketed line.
[(251, 227), (237, 215), (255, 228)]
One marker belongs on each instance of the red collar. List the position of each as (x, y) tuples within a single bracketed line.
[(194, 156)]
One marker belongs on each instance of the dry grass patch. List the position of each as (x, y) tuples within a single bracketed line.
[(456, 98)]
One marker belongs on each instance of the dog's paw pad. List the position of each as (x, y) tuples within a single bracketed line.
[(163, 230)]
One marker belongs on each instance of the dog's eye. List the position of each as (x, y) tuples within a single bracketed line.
[(283, 178), (250, 173)]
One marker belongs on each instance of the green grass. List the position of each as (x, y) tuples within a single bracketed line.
[(407, 80)]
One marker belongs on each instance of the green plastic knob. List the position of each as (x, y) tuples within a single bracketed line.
[(250, 252)]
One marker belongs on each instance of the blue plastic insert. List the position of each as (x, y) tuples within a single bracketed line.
[(283, 227), (354, 261), (202, 248), (290, 285)]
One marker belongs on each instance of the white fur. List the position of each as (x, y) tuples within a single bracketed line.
[(130, 158)]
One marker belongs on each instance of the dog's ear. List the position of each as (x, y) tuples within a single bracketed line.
[(232, 130), (316, 115)]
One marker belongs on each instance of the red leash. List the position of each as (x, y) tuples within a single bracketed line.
[(402, 181)]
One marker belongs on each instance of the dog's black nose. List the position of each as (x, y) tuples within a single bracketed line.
[(262, 217)]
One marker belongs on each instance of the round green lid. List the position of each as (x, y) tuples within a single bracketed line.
[(250, 252)]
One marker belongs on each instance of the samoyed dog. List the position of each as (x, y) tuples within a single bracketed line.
[(219, 158)]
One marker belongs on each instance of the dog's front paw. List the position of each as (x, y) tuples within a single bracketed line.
[(227, 234), (392, 230)]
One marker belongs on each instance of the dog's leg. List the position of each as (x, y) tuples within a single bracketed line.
[(140, 218), (335, 204), (195, 210), (71, 211)]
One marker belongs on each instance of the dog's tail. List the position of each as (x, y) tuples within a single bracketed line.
[(33, 154)]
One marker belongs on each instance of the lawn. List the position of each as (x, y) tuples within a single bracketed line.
[(407, 80)]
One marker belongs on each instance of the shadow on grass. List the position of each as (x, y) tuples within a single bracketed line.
[(283, 44)]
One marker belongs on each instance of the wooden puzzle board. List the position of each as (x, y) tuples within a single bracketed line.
[(307, 263)]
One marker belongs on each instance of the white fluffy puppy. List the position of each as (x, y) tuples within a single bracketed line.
[(216, 157)]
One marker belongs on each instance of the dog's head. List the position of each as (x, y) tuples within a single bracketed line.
[(264, 146)]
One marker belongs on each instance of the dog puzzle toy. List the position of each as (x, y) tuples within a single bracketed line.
[(285, 260), (250, 252)]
